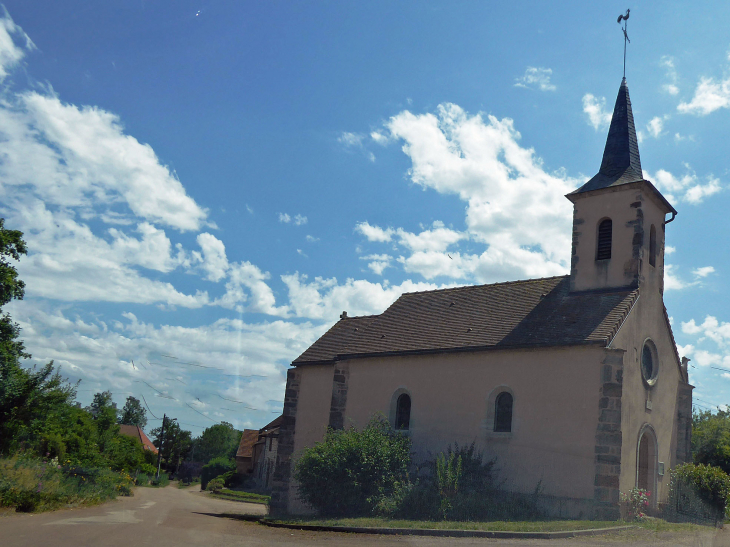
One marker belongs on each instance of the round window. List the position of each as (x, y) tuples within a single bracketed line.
[(649, 363)]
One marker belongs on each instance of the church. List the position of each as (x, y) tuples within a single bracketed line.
[(572, 383)]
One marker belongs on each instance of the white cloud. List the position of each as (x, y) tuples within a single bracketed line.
[(704, 271), (669, 250), (374, 233), (667, 63), (356, 141), (102, 354), (297, 219), (378, 262), (710, 95), (326, 298), (673, 282), (80, 157), (711, 328), (215, 262), (503, 184), (302, 253), (14, 44), (687, 188), (300, 219), (438, 239), (258, 296), (311, 239), (595, 109), (536, 76), (351, 139), (655, 126)]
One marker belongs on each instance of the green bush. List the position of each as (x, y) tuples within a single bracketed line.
[(161, 481), (142, 479), (214, 468), (215, 485), (351, 472), (30, 484), (703, 490)]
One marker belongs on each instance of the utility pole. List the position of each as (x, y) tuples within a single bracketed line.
[(159, 450)]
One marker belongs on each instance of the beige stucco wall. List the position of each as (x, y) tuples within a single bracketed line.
[(555, 409), (313, 409), (615, 203), (647, 321)]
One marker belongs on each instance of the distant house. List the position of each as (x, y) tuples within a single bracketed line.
[(136, 432), (244, 455), (264, 453)]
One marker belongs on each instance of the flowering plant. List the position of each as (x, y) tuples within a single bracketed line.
[(637, 501)]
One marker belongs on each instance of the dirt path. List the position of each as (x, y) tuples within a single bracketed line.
[(172, 517)]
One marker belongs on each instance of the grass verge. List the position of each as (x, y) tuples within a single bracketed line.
[(235, 495), (504, 526)]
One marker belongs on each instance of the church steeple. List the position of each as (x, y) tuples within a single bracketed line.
[(621, 162), (618, 216)]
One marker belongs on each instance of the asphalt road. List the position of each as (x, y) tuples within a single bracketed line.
[(172, 517)]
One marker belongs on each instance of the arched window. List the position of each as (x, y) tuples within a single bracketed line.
[(605, 234), (403, 412), (503, 412), (652, 246)]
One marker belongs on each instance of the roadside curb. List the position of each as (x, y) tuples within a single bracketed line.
[(445, 533)]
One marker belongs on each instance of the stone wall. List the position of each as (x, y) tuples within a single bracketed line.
[(285, 445), (609, 437)]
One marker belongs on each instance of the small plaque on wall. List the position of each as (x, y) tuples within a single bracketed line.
[(660, 471)]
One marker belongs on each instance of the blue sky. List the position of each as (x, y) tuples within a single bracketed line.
[(210, 184)]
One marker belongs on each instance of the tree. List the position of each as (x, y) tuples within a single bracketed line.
[(175, 445), (711, 438), (11, 247), (133, 413), (219, 440)]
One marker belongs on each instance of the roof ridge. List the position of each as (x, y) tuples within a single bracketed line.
[(464, 287)]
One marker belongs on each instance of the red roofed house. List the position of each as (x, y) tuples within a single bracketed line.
[(572, 383), (244, 455), (264, 453), (137, 433)]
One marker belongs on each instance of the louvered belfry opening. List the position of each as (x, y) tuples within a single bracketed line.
[(605, 234), (652, 246)]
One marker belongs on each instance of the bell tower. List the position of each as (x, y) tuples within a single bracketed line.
[(619, 218)]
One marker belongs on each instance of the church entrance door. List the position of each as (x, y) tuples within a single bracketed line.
[(646, 468)]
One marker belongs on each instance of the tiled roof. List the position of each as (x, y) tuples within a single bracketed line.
[(335, 340), (136, 432), (621, 162), (273, 425), (248, 439), (532, 313)]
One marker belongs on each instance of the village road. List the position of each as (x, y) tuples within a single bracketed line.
[(171, 517)]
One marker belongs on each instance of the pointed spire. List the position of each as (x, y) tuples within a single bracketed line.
[(621, 162)]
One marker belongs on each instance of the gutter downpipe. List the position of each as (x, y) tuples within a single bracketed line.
[(674, 215)]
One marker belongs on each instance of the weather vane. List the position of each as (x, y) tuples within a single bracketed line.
[(625, 19)]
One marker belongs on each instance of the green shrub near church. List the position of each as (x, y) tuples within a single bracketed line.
[(370, 472), (698, 492), (351, 472)]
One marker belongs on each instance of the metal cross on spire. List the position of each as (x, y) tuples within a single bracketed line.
[(625, 19)]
